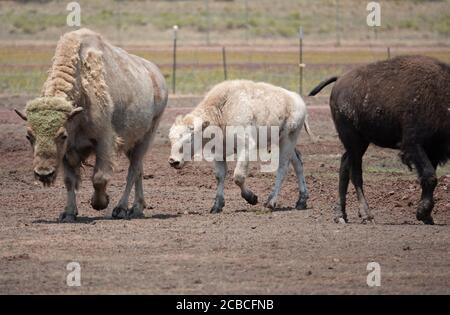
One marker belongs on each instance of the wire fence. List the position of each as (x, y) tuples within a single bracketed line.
[(23, 69), (223, 39)]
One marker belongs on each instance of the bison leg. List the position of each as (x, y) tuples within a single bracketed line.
[(220, 170), (120, 211), (134, 175), (351, 166), (71, 179), (240, 173), (428, 182), (102, 170), (139, 202), (137, 211), (340, 215), (100, 198), (286, 150), (303, 191), (357, 180)]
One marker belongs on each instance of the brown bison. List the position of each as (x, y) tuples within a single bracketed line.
[(402, 103), (97, 99)]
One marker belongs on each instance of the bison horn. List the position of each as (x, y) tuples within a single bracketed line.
[(20, 114), (75, 112)]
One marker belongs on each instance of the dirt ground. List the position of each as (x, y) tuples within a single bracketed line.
[(179, 247)]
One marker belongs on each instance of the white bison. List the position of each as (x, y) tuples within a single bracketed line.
[(244, 103), (97, 99)]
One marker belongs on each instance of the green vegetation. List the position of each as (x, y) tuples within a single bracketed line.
[(31, 22), (442, 25), (148, 23), (443, 170), (24, 69), (152, 20)]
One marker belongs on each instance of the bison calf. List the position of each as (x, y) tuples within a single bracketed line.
[(401, 103), (241, 103)]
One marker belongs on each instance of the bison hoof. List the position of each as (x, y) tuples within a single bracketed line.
[(99, 202), (301, 205), (426, 219), (119, 213), (136, 212), (65, 217), (424, 212), (368, 220), (340, 216), (270, 204), (251, 198), (219, 203), (215, 210), (340, 220)]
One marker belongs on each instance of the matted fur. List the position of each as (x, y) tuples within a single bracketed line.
[(49, 103), (61, 80), (93, 82), (237, 102), (98, 99), (46, 115)]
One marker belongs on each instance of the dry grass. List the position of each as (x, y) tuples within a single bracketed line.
[(148, 21), (23, 68), (144, 26)]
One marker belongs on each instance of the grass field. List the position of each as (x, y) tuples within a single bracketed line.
[(251, 21), (23, 69), (260, 36)]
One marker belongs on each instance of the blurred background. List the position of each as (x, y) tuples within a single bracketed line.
[(218, 39)]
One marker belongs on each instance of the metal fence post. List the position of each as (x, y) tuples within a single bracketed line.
[(338, 25), (300, 60), (247, 23), (224, 61), (208, 22), (174, 67), (119, 24)]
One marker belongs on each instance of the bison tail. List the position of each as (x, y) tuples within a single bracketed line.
[(308, 131), (321, 85)]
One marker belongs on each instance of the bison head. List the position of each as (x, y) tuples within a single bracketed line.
[(47, 133), (186, 138)]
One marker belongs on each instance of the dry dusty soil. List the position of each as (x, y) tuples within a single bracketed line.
[(179, 247)]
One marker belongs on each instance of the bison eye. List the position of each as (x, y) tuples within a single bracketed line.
[(30, 138), (61, 136)]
